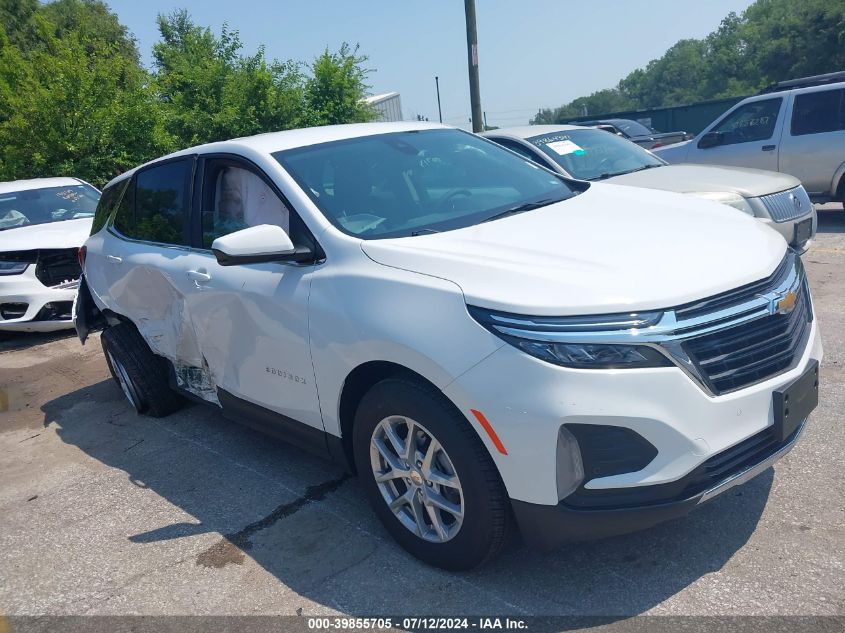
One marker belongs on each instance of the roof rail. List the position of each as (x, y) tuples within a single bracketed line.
[(805, 82)]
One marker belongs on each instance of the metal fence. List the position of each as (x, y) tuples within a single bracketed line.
[(688, 118)]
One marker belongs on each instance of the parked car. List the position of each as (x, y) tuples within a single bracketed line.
[(796, 127), (43, 222), (480, 338), (778, 200), (636, 132)]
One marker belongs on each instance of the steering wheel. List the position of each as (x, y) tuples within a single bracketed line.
[(454, 193)]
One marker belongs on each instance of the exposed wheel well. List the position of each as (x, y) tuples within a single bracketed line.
[(359, 382)]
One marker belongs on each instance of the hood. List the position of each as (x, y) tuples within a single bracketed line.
[(609, 249), (749, 183), (64, 234)]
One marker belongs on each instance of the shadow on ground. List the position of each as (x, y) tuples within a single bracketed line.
[(306, 524), (831, 219), (10, 341)]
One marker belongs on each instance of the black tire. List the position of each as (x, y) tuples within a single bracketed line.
[(147, 374), (487, 519)]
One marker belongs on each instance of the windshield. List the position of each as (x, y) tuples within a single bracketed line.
[(408, 183), (594, 154), (42, 206)]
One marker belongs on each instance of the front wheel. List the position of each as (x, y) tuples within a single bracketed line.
[(429, 478)]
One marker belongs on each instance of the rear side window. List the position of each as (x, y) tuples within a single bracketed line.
[(124, 217), (816, 112), (108, 203), (161, 202)]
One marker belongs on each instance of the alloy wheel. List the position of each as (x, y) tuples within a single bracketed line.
[(125, 382), (416, 478)]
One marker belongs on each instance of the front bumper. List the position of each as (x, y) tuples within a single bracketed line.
[(46, 309), (787, 228), (526, 401), (546, 527)]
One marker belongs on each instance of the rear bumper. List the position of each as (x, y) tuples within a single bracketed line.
[(546, 527)]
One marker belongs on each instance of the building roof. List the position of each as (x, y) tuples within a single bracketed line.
[(379, 98)]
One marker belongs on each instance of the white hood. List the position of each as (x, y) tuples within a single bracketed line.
[(64, 234), (609, 249)]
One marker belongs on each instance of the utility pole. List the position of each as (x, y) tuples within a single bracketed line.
[(472, 60), (439, 111), (485, 120)]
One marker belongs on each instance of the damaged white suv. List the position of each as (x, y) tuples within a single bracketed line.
[(485, 342)]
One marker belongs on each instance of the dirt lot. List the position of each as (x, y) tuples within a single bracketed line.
[(105, 512)]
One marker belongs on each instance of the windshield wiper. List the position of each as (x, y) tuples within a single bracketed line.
[(423, 231), (526, 206), (606, 175)]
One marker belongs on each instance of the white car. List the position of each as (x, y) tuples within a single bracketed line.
[(43, 222), (777, 200), (481, 339)]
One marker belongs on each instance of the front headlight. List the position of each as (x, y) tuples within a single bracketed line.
[(12, 268), (546, 338), (726, 197)]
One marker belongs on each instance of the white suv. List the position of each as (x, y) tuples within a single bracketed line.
[(481, 339)]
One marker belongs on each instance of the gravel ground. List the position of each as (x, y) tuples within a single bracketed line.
[(106, 512)]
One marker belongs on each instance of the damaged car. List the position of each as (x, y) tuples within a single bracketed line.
[(488, 344), (43, 222)]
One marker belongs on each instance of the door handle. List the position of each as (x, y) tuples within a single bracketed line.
[(768, 148), (114, 259), (199, 276)]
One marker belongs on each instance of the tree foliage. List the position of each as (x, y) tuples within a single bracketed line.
[(772, 40), (333, 92), (75, 100)]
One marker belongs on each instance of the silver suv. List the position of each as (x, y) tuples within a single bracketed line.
[(796, 127)]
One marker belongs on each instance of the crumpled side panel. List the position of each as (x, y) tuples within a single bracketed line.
[(197, 380), (161, 314)]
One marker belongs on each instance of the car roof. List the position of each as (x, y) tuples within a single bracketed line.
[(271, 142), (13, 186), (529, 131)]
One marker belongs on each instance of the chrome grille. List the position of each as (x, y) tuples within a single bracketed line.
[(787, 205), (740, 356)]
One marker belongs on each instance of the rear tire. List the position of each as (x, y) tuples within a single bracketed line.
[(447, 539), (140, 374)]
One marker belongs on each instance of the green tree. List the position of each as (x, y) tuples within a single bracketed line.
[(75, 100), (210, 91), (90, 20), (72, 103), (335, 91)]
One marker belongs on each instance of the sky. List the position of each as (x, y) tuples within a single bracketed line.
[(532, 53)]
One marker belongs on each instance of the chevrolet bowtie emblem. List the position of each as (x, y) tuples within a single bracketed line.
[(784, 304)]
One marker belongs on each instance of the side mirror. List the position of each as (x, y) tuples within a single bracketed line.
[(711, 139), (258, 244)]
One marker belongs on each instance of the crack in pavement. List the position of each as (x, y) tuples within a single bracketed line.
[(230, 548)]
